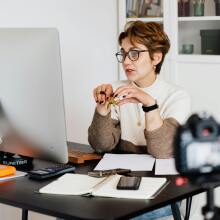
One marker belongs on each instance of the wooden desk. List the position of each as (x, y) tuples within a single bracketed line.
[(21, 193)]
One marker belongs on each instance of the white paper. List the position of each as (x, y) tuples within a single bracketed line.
[(134, 162), (17, 174), (165, 167)]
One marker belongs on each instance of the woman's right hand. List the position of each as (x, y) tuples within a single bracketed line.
[(101, 94)]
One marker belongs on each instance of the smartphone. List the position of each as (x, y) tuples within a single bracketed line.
[(129, 182)]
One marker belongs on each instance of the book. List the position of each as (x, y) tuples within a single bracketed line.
[(79, 157), (79, 184)]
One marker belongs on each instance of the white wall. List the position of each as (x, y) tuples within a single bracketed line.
[(88, 34), (202, 82)]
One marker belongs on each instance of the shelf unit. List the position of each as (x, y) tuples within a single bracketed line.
[(146, 19), (199, 18), (181, 30)]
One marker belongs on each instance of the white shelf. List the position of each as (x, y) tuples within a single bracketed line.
[(198, 58), (180, 31), (200, 18), (156, 19)]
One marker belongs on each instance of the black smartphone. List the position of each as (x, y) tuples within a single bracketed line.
[(129, 182)]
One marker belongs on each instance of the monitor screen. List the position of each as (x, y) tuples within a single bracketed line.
[(32, 121)]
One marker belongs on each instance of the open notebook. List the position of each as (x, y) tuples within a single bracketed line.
[(79, 184)]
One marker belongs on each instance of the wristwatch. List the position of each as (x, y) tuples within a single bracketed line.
[(150, 108)]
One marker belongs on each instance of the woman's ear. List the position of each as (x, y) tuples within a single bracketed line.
[(157, 57)]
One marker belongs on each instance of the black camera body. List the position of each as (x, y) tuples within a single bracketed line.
[(197, 146)]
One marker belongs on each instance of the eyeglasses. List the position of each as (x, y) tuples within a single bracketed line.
[(133, 55)]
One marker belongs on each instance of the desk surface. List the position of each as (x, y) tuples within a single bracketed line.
[(20, 193)]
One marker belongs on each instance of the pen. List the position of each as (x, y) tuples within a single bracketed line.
[(103, 173)]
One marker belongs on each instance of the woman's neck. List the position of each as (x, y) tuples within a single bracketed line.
[(146, 81)]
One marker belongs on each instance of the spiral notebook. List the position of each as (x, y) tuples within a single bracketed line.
[(79, 184)]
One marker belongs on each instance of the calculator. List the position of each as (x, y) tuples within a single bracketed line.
[(46, 173)]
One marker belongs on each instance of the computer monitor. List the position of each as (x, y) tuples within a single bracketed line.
[(31, 93)]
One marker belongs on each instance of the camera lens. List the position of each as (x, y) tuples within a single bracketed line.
[(207, 131)]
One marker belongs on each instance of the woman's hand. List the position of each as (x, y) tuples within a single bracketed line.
[(101, 94), (132, 94)]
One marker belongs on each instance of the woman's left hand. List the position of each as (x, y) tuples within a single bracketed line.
[(132, 94)]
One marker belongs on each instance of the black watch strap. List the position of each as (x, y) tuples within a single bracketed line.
[(150, 108)]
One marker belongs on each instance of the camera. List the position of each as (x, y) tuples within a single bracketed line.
[(197, 156), (197, 146)]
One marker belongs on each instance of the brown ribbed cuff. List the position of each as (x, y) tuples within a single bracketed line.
[(104, 132), (160, 141)]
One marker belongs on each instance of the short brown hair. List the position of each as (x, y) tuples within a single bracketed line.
[(150, 34)]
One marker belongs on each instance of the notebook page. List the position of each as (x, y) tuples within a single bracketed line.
[(149, 187), (72, 184)]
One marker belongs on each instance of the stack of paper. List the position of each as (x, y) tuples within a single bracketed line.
[(134, 162), (165, 167), (137, 162)]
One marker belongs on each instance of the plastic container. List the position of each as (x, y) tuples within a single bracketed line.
[(217, 7), (187, 48), (210, 43)]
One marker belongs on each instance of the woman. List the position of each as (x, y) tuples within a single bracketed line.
[(148, 110)]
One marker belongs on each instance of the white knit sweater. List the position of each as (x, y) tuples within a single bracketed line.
[(173, 101)]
